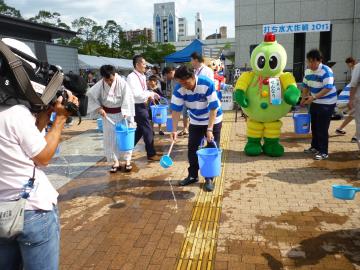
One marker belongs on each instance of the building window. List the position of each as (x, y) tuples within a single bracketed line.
[(171, 29), (299, 56), (325, 44), (158, 28)]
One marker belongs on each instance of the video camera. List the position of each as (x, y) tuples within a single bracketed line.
[(36, 84)]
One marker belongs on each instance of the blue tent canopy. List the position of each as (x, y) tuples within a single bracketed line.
[(184, 54)]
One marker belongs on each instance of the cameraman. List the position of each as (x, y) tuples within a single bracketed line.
[(23, 149)]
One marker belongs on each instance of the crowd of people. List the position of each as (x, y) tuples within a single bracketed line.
[(191, 93)]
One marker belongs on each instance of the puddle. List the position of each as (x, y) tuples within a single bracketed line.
[(236, 185), (290, 232), (169, 195)]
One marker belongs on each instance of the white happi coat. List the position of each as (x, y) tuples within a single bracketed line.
[(118, 95)]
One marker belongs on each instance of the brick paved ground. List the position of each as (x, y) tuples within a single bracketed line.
[(280, 214), (126, 221), (276, 213)]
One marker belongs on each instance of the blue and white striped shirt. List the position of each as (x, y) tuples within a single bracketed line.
[(344, 96), (199, 102), (319, 79)]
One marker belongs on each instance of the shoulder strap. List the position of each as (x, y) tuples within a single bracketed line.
[(24, 81)]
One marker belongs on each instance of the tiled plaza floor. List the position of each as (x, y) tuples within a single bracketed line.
[(266, 213)]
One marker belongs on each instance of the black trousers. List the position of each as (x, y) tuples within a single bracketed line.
[(320, 122), (144, 128), (196, 134)]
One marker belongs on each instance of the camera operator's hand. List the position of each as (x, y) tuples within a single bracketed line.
[(59, 107), (53, 136)]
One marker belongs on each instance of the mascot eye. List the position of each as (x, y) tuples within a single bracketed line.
[(260, 61), (274, 61)]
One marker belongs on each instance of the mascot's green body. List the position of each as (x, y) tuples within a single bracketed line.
[(266, 94)]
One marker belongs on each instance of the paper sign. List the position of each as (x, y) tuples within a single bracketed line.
[(275, 91)]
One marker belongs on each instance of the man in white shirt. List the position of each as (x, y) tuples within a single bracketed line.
[(137, 83), (197, 62), (355, 99), (23, 149)]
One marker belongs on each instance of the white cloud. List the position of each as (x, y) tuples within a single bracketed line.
[(132, 14)]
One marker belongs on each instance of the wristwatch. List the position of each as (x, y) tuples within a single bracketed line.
[(210, 129)]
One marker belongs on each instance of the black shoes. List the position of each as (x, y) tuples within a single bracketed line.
[(209, 185), (188, 180)]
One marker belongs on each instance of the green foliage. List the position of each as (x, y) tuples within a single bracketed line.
[(155, 52), (50, 19), (9, 11), (93, 39)]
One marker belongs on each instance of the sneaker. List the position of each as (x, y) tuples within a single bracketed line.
[(183, 133), (188, 180), (311, 150), (161, 133), (320, 156), (340, 131), (354, 140), (209, 185), (154, 158)]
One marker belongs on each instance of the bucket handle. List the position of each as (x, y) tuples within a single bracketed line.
[(126, 124), (295, 112), (159, 102), (164, 99), (109, 119), (202, 144)]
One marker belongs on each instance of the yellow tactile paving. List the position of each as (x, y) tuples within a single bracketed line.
[(198, 249)]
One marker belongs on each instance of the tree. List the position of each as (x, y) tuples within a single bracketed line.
[(85, 29), (126, 48), (50, 19), (156, 52), (112, 30), (9, 11)]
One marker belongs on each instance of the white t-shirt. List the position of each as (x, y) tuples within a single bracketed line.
[(137, 84), (355, 80), (20, 140), (205, 71)]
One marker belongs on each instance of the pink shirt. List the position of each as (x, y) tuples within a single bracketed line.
[(20, 140)]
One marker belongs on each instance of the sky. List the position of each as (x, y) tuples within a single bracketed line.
[(132, 14)]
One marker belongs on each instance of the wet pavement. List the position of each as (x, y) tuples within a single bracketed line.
[(266, 213)]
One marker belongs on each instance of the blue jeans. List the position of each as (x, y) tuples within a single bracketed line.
[(38, 247), (320, 123)]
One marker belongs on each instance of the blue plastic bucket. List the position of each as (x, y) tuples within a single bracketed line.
[(125, 139), (301, 123), (209, 161), (166, 161), (99, 122), (169, 124), (344, 192), (159, 112)]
